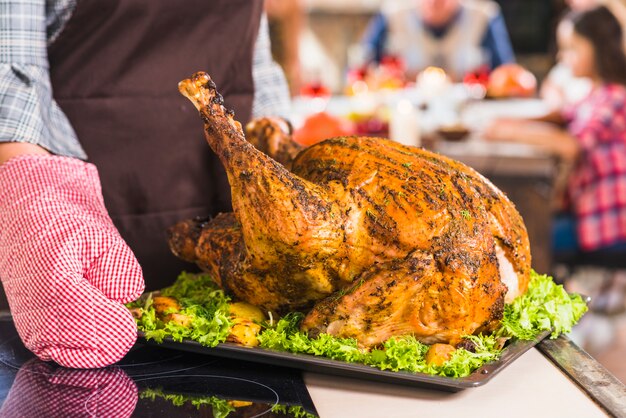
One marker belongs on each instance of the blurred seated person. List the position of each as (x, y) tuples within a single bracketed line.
[(591, 134), (458, 36)]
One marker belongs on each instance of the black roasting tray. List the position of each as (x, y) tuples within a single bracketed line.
[(317, 364)]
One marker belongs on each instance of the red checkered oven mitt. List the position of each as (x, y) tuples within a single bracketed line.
[(65, 268)]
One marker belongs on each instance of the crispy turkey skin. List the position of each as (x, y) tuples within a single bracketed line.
[(375, 238)]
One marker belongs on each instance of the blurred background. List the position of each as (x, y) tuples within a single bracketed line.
[(330, 34), (507, 86)]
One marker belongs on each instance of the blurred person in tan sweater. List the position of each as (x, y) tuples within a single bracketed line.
[(458, 36)]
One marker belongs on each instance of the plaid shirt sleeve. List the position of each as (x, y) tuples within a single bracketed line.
[(28, 113), (271, 92)]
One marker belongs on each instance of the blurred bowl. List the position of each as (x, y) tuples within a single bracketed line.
[(454, 133)]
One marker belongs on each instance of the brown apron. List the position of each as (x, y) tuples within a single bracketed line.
[(114, 71)]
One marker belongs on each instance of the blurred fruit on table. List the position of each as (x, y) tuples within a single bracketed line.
[(314, 89), (511, 80), (389, 74), (374, 124), (320, 126), (317, 94), (356, 82), (480, 77)]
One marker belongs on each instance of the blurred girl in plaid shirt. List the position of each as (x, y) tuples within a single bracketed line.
[(590, 133), (591, 136)]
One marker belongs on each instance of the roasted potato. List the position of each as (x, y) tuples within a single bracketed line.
[(180, 319), (165, 305), (247, 311), (245, 332), (168, 309), (438, 354)]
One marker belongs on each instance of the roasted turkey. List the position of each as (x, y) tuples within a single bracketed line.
[(372, 238)]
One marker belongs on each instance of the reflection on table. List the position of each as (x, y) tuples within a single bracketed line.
[(148, 382)]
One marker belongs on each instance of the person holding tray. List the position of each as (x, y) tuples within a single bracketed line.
[(96, 81)]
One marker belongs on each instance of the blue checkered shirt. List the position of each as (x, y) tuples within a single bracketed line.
[(28, 112)]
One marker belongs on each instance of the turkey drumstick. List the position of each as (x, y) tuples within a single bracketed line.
[(290, 226)]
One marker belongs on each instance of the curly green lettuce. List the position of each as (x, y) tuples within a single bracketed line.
[(201, 300), (404, 353), (545, 306)]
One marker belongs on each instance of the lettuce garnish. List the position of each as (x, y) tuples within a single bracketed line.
[(397, 353), (545, 306), (201, 300)]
